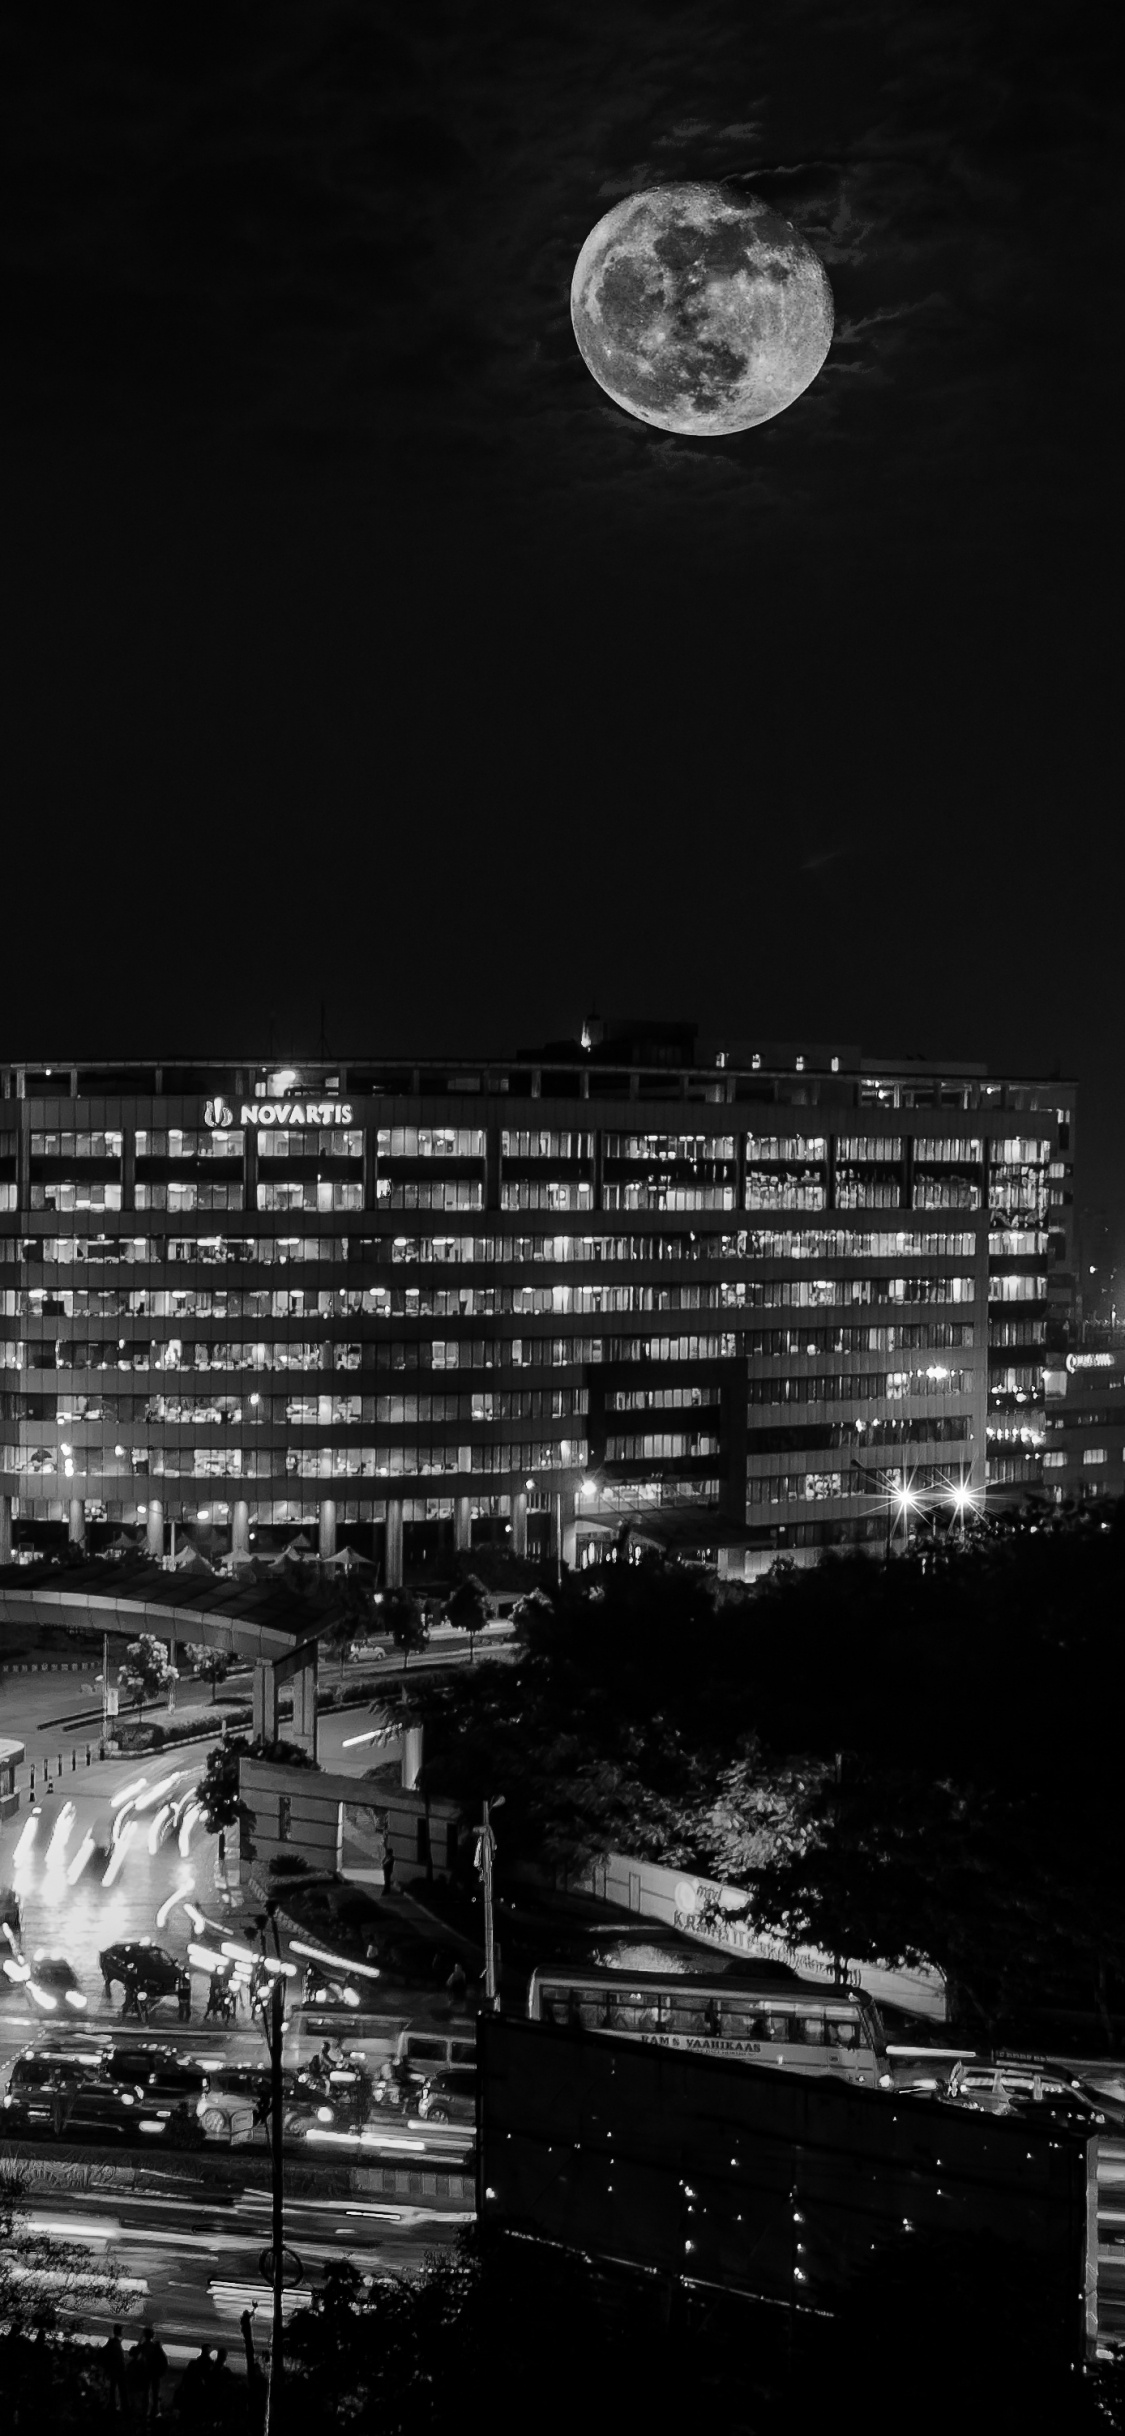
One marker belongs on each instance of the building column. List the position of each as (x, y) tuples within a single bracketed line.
[(304, 1703), (76, 1528), (564, 1527), (5, 1529), (240, 1530), (392, 1567), (519, 1522), (326, 1534), (154, 1528), (462, 1524), (264, 1700)]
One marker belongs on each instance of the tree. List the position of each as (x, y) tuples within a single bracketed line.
[(401, 1616), (898, 1762), (146, 1671), (219, 1793), (211, 1665), (467, 1608)]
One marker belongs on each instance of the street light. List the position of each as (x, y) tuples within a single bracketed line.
[(273, 2029), (483, 1859)]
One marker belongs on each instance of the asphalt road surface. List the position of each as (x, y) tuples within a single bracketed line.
[(190, 2269)]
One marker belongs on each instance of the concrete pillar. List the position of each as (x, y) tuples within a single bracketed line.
[(303, 1686), (76, 1528), (326, 1537), (411, 1757), (462, 1524), (392, 1569), (5, 1530), (563, 1526), (264, 1700), (519, 1522), (154, 1528), (240, 1530)]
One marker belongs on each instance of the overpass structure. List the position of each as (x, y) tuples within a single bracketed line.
[(255, 1617)]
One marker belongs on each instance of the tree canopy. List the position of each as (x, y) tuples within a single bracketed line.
[(910, 1761)]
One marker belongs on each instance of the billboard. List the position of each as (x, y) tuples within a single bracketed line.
[(776, 2185)]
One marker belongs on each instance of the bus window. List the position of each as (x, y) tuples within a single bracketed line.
[(808, 2030), (686, 2017), (844, 2034), (777, 2029)]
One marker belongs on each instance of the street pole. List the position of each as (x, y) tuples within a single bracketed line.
[(274, 2034), (486, 1848)]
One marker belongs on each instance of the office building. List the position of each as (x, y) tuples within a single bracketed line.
[(756, 1298)]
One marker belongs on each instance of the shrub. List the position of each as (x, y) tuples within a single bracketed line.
[(288, 1865)]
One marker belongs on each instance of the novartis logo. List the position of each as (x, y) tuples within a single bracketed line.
[(218, 1114)]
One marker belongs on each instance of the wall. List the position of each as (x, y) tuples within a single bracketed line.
[(703, 1909)]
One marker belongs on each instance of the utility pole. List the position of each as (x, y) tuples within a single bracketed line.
[(273, 2024), (485, 1853)]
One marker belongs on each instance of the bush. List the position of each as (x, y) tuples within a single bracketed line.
[(283, 1754), (288, 1865), (140, 1737)]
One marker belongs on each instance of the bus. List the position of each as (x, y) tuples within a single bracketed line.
[(773, 2020)]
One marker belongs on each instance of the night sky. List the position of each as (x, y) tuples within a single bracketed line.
[(359, 650)]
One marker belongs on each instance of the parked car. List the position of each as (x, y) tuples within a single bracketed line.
[(158, 1973), (1043, 2097), (450, 2096)]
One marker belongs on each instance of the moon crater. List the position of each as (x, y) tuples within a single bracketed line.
[(700, 310)]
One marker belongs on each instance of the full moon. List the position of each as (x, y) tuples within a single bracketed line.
[(700, 310)]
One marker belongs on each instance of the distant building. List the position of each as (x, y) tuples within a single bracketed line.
[(746, 1299), (1084, 1419)]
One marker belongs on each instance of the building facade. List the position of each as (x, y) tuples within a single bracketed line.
[(779, 1296)]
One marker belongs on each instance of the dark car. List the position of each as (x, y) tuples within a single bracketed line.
[(55, 2101), (48, 2067), (1041, 2097), (54, 1984), (450, 2097), (158, 2070), (158, 1973)]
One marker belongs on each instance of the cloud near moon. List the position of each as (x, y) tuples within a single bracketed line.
[(699, 309)]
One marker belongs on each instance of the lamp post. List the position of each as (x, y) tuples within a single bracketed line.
[(484, 1857), (273, 2026)]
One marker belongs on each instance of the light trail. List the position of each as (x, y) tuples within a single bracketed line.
[(117, 1856), (26, 1839), (157, 1792), (170, 1901), (334, 1962), (159, 1823), (55, 1854), (76, 1866), (128, 1793), (188, 1821)]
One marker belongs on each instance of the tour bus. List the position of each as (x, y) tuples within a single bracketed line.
[(803, 2027)]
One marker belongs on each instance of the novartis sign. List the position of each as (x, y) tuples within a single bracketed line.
[(219, 1114)]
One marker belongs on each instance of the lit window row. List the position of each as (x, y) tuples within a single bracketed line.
[(77, 1145), (661, 1446), (430, 1142)]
